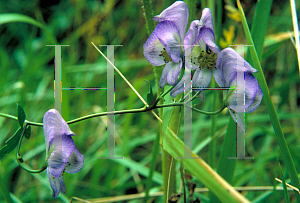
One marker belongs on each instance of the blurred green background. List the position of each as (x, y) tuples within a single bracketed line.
[(27, 74)]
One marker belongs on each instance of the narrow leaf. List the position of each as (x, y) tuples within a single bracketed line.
[(21, 115), (149, 94), (11, 143), (287, 199)]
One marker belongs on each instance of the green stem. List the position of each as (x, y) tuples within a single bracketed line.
[(148, 13), (144, 109), (109, 113), (212, 147), (19, 157), (194, 109), (219, 22)]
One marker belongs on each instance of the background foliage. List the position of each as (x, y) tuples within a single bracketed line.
[(26, 78)]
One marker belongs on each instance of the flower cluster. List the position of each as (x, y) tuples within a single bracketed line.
[(61, 153), (162, 47)]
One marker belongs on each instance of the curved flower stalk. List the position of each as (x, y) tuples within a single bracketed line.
[(248, 89), (162, 47), (61, 153), (205, 62)]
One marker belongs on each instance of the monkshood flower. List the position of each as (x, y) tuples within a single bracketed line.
[(247, 90), (61, 153), (162, 45), (205, 63)]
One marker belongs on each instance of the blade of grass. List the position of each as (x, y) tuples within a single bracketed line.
[(15, 17), (226, 167), (287, 199), (168, 114), (201, 170), (259, 26), (270, 106)]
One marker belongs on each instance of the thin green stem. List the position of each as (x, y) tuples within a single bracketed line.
[(19, 157), (212, 147), (144, 109), (194, 109), (196, 95), (109, 113), (15, 118)]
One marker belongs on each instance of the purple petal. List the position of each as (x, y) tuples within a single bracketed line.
[(62, 184), (63, 148), (75, 162), (218, 76), (201, 78), (208, 36), (170, 73), (227, 62), (192, 35), (178, 13), (168, 35), (152, 50), (238, 120), (248, 91), (179, 88), (54, 183), (207, 19), (257, 100), (54, 126)]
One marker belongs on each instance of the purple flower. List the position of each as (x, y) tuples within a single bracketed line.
[(205, 62), (247, 90), (162, 45), (61, 153)]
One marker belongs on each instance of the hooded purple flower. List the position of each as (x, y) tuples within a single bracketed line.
[(205, 63), (162, 45), (248, 95), (61, 153)]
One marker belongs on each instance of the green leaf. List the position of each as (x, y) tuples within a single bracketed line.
[(21, 115), (27, 132), (11, 143), (149, 94), (287, 199)]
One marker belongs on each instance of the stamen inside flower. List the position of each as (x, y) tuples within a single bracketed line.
[(207, 59), (165, 55)]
